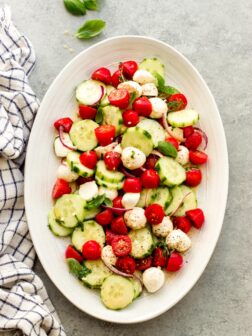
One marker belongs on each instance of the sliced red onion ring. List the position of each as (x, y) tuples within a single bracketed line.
[(63, 162), (142, 169), (116, 271), (102, 93), (118, 210), (169, 129), (204, 136), (157, 153), (173, 213), (126, 173), (62, 140)]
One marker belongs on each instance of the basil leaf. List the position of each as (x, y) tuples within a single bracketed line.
[(167, 149), (90, 28), (160, 81), (169, 90), (108, 202), (77, 269), (95, 202), (84, 271), (99, 115), (75, 7), (132, 97), (91, 4)]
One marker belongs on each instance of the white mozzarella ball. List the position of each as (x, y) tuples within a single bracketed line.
[(101, 150), (178, 240), (159, 108), (64, 172), (131, 87), (153, 279), (150, 90), (183, 155), (164, 228), (118, 149), (133, 158), (143, 77), (108, 256), (59, 148), (110, 193), (129, 200), (88, 190), (135, 218)]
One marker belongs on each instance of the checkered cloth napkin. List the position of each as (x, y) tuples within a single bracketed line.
[(24, 304)]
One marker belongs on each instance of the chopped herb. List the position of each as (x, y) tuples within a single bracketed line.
[(95, 202), (77, 269)]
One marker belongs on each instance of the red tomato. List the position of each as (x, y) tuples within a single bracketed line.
[(196, 216), (103, 75), (87, 112), (110, 236), (150, 179), (187, 131), (126, 264), (154, 214), (91, 250), (117, 203), (197, 157), (143, 106), (132, 184), (130, 118), (175, 262), (72, 253), (105, 217), (61, 187), (173, 141), (82, 180), (112, 160), (193, 141), (159, 258), (105, 134), (143, 264), (151, 161), (119, 98), (129, 68), (118, 226), (177, 102), (193, 177), (121, 246), (182, 223), (66, 123), (89, 159), (116, 78)]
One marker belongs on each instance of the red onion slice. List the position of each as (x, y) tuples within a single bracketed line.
[(173, 213), (157, 153), (116, 271), (142, 169), (118, 210), (169, 129), (62, 140), (126, 173), (204, 136)]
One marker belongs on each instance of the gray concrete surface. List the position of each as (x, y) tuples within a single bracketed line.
[(216, 37)]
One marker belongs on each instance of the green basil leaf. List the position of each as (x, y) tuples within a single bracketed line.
[(108, 202), (90, 28), (160, 81), (95, 202), (75, 7), (167, 149), (99, 115), (91, 4), (132, 97), (77, 269), (84, 272), (169, 90)]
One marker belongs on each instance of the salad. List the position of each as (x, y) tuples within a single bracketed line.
[(125, 189)]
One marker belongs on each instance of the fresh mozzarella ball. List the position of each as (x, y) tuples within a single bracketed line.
[(183, 155), (129, 200), (178, 240), (59, 148), (131, 87), (133, 158), (101, 150), (108, 256), (143, 77), (164, 228), (153, 279), (159, 108), (64, 172), (118, 149), (149, 89), (88, 190), (110, 193), (135, 218)]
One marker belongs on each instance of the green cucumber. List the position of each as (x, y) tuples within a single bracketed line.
[(56, 228), (112, 115), (82, 134), (137, 286), (183, 118), (138, 138), (163, 197), (153, 65), (110, 176), (90, 92), (154, 128), (91, 213), (73, 160), (171, 173), (142, 243), (109, 185), (178, 194), (98, 273), (105, 101)]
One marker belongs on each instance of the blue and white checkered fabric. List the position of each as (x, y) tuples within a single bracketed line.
[(24, 303)]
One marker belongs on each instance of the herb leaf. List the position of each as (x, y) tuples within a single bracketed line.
[(77, 269), (99, 115), (160, 81), (90, 28), (95, 202), (75, 7), (91, 4), (132, 97), (108, 202), (167, 149)]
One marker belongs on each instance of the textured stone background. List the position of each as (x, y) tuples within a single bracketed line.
[(216, 38)]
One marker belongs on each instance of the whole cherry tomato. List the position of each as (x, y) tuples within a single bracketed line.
[(121, 246), (119, 98), (118, 226), (130, 118), (159, 257), (88, 159), (173, 141), (143, 264), (65, 123), (129, 68), (87, 112), (177, 102), (150, 179), (175, 262), (116, 78), (154, 214), (105, 134), (73, 254), (193, 141), (126, 264), (61, 187), (132, 184), (193, 177), (142, 106), (105, 217), (112, 160), (197, 157), (103, 75), (196, 216), (91, 250), (182, 223)]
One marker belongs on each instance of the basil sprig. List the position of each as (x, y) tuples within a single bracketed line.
[(90, 28), (95, 202), (75, 7), (77, 269), (166, 90)]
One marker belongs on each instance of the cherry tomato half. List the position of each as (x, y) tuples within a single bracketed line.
[(151, 161), (193, 177), (175, 262), (126, 264), (87, 112), (150, 179), (116, 78), (143, 264), (193, 141), (117, 203), (110, 236), (103, 75), (132, 184), (121, 246), (119, 98), (187, 131), (91, 250), (61, 187), (112, 160), (173, 141), (105, 217), (154, 214), (196, 216), (130, 118), (159, 257), (177, 102), (182, 223), (73, 254), (142, 106), (105, 134), (118, 226), (129, 68), (88, 159), (66, 123), (197, 157)]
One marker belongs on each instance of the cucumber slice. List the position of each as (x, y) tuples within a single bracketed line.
[(112, 115), (109, 176), (154, 128), (142, 243), (147, 197), (82, 134), (117, 292), (163, 197), (89, 230), (91, 213), (73, 160), (69, 210), (99, 272), (139, 138), (90, 92), (137, 287), (183, 118), (55, 227), (153, 65), (108, 185), (178, 193), (60, 150), (171, 172), (105, 101)]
